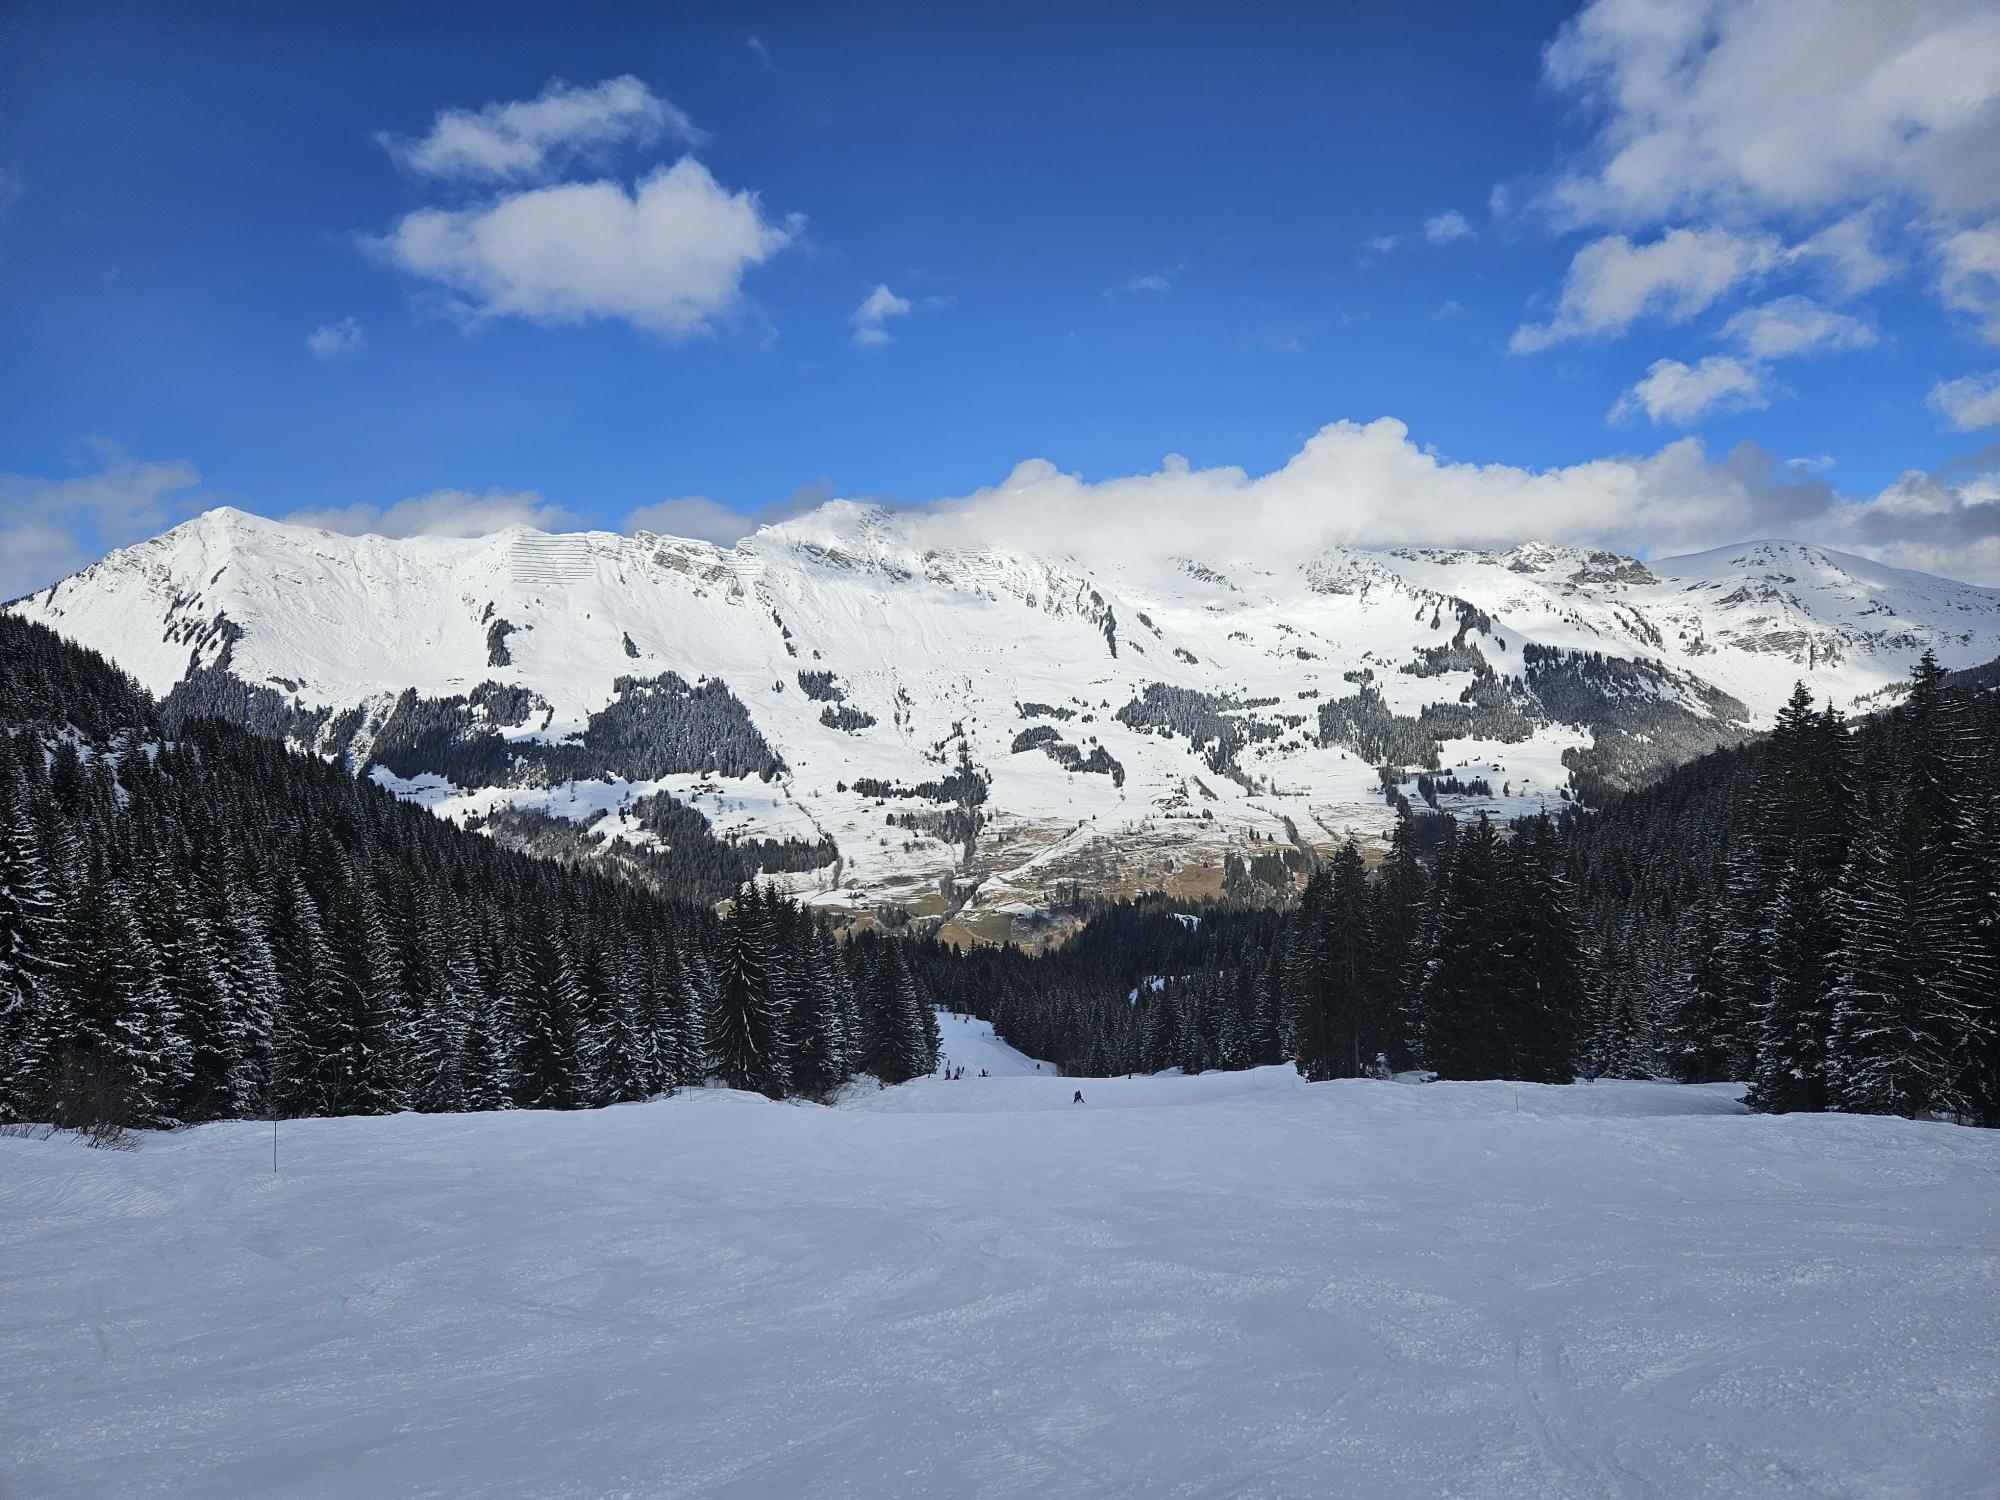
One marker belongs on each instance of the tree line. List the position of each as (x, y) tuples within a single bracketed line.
[(206, 925), (1816, 914), (198, 924)]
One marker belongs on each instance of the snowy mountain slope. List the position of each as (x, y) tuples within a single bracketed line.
[(1237, 1284), (973, 726)]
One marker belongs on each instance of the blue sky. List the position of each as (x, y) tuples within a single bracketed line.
[(403, 269)]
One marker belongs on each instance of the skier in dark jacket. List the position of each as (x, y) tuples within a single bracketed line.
[(1079, 1097)]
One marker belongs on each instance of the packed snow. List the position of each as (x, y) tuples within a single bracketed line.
[(969, 1043), (1230, 1285)]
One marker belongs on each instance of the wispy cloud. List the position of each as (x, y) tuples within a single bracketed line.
[(709, 520), (1792, 326), (442, 513), (1444, 228), (876, 309), (1969, 403), (1148, 284), (1613, 282), (50, 528), (337, 340), (1681, 394), (525, 139)]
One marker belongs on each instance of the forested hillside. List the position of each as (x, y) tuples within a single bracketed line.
[(196, 923), (1817, 914), (203, 925)]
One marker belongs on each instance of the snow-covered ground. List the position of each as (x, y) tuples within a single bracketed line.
[(969, 1043), (1232, 1285)]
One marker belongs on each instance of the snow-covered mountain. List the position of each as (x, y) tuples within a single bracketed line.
[(962, 730)]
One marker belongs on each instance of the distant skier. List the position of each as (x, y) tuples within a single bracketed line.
[(1079, 1097)]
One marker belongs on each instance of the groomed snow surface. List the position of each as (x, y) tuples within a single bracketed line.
[(1232, 1285)]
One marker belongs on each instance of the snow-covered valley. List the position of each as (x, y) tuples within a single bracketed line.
[(1227, 1285), (961, 726)]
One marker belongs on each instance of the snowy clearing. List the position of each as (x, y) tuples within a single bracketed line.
[(1231, 1285)]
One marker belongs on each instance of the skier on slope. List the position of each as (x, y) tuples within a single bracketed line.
[(1079, 1097)]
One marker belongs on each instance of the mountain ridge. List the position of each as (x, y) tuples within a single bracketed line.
[(975, 727)]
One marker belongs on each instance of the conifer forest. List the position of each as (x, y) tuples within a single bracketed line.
[(199, 924)]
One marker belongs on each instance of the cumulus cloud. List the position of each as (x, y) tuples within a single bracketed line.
[(1368, 484), (526, 139), (1945, 521), (1796, 325), (1838, 143), (337, 340), (667, 256), (1612, 282), (1969, 403), (442, 513), (876, 309), (1682, 394), (709, 520), (49, 528), (1969, 272), (1734, 108), (1442, 229)]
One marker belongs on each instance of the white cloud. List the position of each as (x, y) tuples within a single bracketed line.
[(442, 513), (711, 521), (1729, 108), (691, 516), (1795, 325), (530, 138), (875, 310), (1438, 229), (1613, 282), (1367, 484), (1683, 394), (1451, 307), (1970, 402), (334, 340), (1969, 272), (1866, 135), (1442, 229), (1151, 284), (49, 528), (668, 256), (1848, 252)]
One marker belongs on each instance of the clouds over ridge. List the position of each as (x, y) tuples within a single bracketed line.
[(1367, 484), (1360, 484)]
